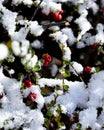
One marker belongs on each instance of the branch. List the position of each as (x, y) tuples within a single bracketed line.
[(77, 73), (48, 25), (36, 10)]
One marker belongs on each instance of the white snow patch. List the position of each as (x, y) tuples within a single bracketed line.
[(4, 51)]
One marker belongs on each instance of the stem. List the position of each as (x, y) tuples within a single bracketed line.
[(47, 25), (63, 83), (6, 69), (77, 73), (36, 9), (101, 50)]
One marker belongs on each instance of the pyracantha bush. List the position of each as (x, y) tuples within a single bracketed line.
[(51, 64)]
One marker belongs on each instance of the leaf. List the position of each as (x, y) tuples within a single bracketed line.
[(52, 103), (49, 113), (65, 87), (67, 62), (79, 126), (5, 122), (47, 121), (66, 74), (11, 59), (97, 69), (36, 68)]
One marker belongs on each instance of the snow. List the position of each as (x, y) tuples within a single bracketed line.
[(89, 4), (76, 67), (87, 119), (20, 35), (83, 23), (16, 48), (96, 90), (26, 2), (76, 97), (67, 54), (20, 49), (62, 38), (80, 44), (50, 6), (69, 33), (54, 69), (37, 44), (49, 82), (4, 50), (33, 61), (83, 98), (55, 28), (35, 29), (21, 114), (99, 36), (59, 37), (88, 99), (8, 20), (35, 89)]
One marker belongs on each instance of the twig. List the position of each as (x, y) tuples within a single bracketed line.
[(77, 73), (48, 25), (6, 69), (101, 51), (36, 9)]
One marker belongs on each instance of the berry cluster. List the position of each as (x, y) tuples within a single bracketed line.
[(47, 59), (27, 84)]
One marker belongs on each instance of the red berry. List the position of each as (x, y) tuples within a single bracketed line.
[(1, 95), (61, 12), (32, 96), (87, 69), (27, 83), (45, 63), (47, 58), (56, 16), (94, 46)]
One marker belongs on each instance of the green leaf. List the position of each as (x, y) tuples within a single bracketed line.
[(97, 69), (57, 88), (5, 122), (52, 103), (65, 87), (59, 106), (59, 109), (67, 62), (46, 122), (48, 105), (20, 75), (37, 66), (11, 59), (66, 74), (62, 124), (79, 126), (49, 113)]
